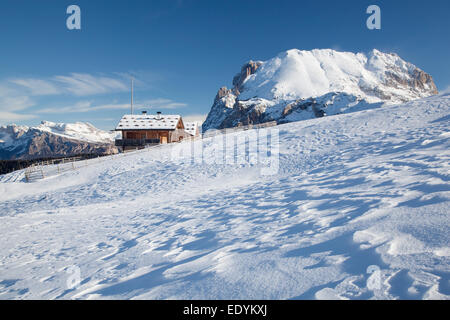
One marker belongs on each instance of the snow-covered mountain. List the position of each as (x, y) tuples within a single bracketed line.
[(359, 209), (51, 139), (298, 85), (79, 131)]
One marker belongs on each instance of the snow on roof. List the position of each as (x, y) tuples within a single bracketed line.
[(148, 122), (191, 128)]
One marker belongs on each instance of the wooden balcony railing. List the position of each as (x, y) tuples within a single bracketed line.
[(135, 142)]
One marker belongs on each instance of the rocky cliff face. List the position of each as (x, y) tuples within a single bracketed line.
[(21, 142), (247, 70), (298, 85)]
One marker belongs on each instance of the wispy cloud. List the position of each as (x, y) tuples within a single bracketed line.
[(84, 106), (82, 84), (13, 104), (78, 84), (8, 117), (19, 94), (37, 87), (89, 106), (162, 103), (199, 118), (20, 97)]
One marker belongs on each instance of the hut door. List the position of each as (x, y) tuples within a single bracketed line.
[(163, 139)]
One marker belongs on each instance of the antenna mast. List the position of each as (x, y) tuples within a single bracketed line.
[(132, 95)]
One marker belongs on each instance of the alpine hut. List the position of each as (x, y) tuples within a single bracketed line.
[(145, 129)]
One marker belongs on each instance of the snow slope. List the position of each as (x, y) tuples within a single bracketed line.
[(358, 198)]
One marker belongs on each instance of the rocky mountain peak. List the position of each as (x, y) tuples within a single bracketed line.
[(297, 85), (247, 69), (224, 91), (51, 139)]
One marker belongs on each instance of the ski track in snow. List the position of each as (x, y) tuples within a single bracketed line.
[(354, 190)]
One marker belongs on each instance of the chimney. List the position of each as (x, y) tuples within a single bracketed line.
[(144, 112), (158, 115)]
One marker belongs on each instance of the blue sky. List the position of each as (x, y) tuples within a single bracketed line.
[(182, 51)]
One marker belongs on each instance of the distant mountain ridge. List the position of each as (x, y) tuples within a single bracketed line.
[(298, 85), (51, 139)]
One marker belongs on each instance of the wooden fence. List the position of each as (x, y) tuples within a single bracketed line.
[(48, 168)]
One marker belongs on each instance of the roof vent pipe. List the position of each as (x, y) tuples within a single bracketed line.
[(158, 115), (144, 112)]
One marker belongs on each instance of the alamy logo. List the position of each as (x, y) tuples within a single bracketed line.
[(252, 147), (73, 22), (374, 20)]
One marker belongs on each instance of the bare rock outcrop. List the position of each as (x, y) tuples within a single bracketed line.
[(247, 69)]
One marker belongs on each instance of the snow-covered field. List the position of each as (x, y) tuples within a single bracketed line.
[(359, 209)]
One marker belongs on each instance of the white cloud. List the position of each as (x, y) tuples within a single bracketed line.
[(37, 87), (17, 95), (7, 117), (88, 106), (79, 84), (11, 102), (172, 105), (82, 84), (111, 107), (163, 103), (84, 106), (15, 103), (199, 118)]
